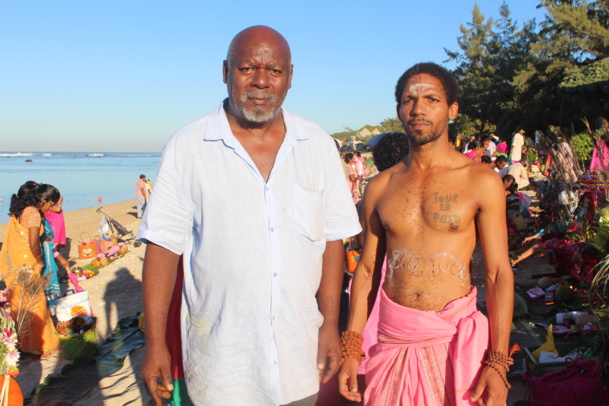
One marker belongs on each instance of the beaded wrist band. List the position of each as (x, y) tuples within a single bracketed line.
[(497, 359), (351, 343)]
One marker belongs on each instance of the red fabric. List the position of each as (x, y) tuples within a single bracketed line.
[(579, 384), (173, 336)]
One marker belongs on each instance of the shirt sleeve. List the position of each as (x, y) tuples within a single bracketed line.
[(168, 216), (30, 217)]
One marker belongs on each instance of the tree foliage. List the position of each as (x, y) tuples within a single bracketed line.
[(533, 75)]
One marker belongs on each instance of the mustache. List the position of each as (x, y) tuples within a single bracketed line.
[(259, 95), (419, 120)]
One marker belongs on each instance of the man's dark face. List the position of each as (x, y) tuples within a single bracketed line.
[(258, 74), (424, 110)]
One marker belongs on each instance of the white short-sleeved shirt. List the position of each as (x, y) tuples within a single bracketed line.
[(252, 256), (517, 144)]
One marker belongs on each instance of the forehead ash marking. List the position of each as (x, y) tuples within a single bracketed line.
[(420, 84)]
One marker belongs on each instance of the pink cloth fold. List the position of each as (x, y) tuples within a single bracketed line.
[(424, 356), (600, 156)]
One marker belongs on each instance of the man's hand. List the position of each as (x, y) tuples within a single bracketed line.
[(328, 352), (156, 367), (490, 389), (347, 380)]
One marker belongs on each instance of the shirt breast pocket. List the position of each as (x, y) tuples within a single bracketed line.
[(308, 213)]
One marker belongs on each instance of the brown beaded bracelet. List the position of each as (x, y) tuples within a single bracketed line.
[(499, 358), (351, 343)]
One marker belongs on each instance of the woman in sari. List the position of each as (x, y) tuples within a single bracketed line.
[(21, 261), (50, 253)]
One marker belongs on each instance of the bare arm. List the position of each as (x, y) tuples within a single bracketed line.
[(499, 282), (328, 297), (34, 240), (365, 285), (159, 276)]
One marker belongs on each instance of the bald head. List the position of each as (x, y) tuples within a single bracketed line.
[(258, 35), (258, 74)]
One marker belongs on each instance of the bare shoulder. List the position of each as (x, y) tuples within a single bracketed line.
[(380, 181), (487, 182), (377, 187)]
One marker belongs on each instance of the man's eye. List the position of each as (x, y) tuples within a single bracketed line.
[(275, 72), (246, 69)]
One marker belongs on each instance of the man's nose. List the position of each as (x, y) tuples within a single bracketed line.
[(261, 78), (417, 108)]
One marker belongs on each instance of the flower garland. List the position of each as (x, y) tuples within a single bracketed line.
[(9, 355)]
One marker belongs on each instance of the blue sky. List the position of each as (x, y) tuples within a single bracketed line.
[(118, 76)]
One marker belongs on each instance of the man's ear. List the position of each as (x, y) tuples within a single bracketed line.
[(290, 78), (224, 71), (453, 111)]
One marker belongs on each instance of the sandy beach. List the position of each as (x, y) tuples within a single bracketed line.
[(114, 294)]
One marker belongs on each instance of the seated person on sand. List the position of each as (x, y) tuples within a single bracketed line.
[(519, 171), (475, 152), (531, 246), (501, 166), (487, 161), (516, 201)]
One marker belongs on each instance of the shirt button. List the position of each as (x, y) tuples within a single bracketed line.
[(275, 362), (266, 188), (275, 274), (272, 229)]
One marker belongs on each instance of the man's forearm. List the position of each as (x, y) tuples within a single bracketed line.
[(159, 276), (328, 295), (500, 301)]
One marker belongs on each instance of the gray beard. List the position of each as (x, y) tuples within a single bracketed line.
[(258, 115)]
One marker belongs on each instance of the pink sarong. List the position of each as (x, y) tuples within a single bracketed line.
[(424, 357)]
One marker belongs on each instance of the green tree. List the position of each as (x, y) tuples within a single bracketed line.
[(391, 124), (475, 71), (491, 54), (574, 34), (586, 25)]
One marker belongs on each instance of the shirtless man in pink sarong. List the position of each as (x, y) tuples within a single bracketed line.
[(434, 347)]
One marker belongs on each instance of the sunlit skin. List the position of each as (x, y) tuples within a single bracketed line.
[(423, 214), (258, 74), (424, 109)]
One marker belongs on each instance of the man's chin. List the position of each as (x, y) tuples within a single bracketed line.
[(259, 117)]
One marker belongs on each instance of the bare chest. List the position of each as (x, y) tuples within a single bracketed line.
[(417, 205)]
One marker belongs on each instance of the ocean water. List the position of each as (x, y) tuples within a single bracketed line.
[(81, 177)]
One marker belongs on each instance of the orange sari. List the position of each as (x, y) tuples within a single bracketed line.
[(22, 275)]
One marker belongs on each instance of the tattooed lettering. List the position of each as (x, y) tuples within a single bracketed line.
[(440, 263), (445, 201), (452, 219), (405, 261)]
